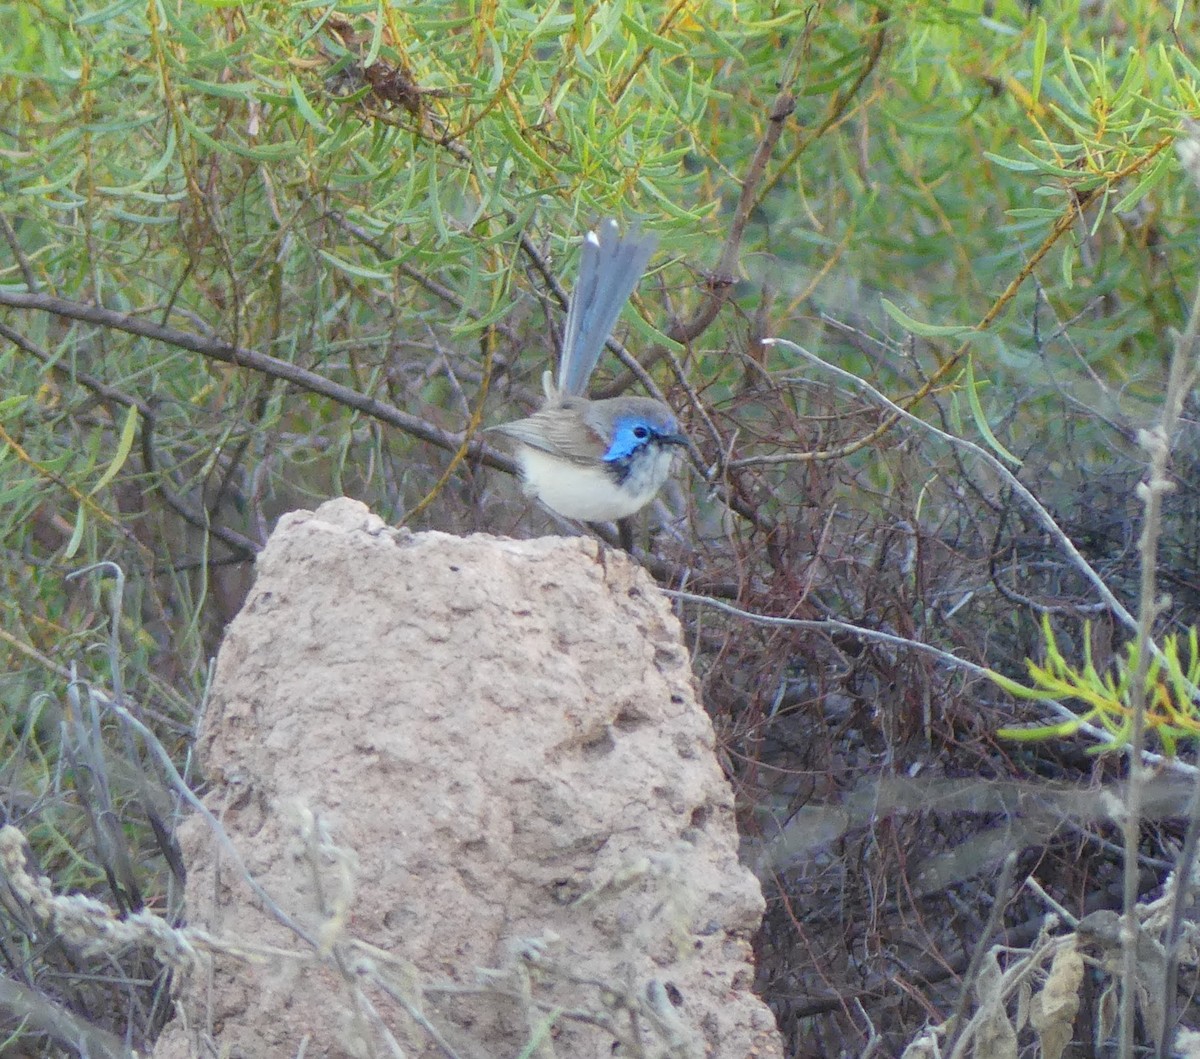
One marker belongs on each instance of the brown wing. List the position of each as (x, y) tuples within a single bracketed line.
[(558, 431)]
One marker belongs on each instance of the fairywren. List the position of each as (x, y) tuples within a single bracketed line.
[(596, 460)]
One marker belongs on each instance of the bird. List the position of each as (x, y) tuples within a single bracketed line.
[(596, 460)]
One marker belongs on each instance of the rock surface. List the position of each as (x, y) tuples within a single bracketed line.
[(474, 774)]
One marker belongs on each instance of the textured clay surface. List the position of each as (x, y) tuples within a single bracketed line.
[(475, 775)]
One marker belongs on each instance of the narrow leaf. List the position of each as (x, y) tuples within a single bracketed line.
[(1039, 59), (77, 535), (924, 330), (361, 271), (124, 447), (306, 109), (981, 420)]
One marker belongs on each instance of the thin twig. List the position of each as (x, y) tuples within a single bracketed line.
[(223, 840)]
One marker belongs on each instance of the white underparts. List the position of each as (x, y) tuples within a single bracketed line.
[(591, 493)]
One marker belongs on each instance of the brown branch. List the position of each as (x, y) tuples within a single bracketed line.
[(720, 284), (216, 349), (837, 105), (644, 55)]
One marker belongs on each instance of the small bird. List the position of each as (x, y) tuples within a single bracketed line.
[(596, 460)]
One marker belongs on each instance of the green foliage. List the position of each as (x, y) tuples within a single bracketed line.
[(1172, 714)]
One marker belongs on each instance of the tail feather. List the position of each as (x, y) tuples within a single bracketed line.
[(609, 269)]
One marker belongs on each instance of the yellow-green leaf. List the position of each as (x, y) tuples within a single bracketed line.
[(1039, 59), (77, 535), (124, 447), (361, 271), (981, 420), (307, 110), (922, 329)]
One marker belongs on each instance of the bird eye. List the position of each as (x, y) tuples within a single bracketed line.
[(641, 433)]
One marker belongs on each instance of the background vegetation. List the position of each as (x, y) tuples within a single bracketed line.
[(253, 255)]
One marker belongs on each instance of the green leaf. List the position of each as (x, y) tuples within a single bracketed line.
[(981, 419), (232, 90), (153, 173), (271, 152), (1150, 181), (77, 535), (924, 330), (306, 109), (11, 405), (1014, 164), (124, 447), (95, 18), (379, 20), (19, 491), (1040, 733), (1039, 59), (361, 271), (433, 188)]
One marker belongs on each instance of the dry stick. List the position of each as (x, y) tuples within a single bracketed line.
[(216, 349), (643, 57), (720, 286), (414, 1012), (223, 840), (1157, 442), (38, 1014), (364, 1006), (837, 105), (1180, 387), (721, 282)]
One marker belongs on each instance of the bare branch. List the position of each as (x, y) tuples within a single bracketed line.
[(216, 349)]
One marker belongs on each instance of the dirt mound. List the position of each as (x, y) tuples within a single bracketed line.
[(473, 774)]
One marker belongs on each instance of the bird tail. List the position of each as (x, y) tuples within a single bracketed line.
[(609, 269)]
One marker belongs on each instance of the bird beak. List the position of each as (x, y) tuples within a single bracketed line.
[(673, 439)]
